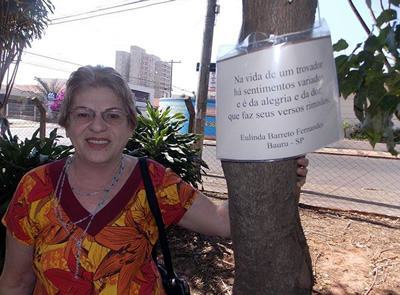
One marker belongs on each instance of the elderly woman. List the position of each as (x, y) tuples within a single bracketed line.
[(82, 225)]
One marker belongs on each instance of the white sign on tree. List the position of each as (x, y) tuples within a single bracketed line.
[(277, 102)]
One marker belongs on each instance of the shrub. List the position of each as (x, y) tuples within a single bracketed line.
[(157, 137), (18, 157)]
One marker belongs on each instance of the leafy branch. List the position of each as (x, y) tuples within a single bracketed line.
[(372, 74), (21, 22)]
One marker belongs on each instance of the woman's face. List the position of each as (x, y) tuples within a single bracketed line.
[(98, 125)]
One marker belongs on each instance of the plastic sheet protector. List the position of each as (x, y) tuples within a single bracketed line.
[(277, 96)]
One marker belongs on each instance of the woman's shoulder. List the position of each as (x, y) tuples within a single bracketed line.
[(49, 167), (156, 170), (153, 165), (45, 173)]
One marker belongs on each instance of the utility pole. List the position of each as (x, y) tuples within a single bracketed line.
[(172, 62), (202, 90)]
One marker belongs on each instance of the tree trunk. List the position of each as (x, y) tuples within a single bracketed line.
[(271, 253)]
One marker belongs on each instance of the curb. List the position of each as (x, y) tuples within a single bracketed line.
[(357, 153)]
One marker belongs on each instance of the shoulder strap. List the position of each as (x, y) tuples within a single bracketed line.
[(155, 210)]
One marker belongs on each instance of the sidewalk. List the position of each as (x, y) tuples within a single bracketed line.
[(19, 123)]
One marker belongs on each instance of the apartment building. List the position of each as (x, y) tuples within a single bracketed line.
[(144, 70)]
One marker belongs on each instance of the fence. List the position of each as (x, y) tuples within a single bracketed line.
[(23, 111), (347, 175)]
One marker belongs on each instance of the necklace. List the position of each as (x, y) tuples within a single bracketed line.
[(86, 194), (66, 225)]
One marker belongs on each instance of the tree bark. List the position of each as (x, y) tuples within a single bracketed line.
[(277, 16), (271, 252)]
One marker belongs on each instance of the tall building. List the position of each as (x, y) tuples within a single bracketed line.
[(122, 61), (163, 78), (146, 70)]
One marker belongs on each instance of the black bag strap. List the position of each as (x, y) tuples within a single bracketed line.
[(155, 210)]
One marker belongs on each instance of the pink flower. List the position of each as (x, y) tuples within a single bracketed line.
[(56, 104)]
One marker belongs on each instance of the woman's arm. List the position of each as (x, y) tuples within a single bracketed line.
[(208, 218), (17, 276)]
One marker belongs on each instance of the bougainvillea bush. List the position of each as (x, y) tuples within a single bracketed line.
[(56, 104)]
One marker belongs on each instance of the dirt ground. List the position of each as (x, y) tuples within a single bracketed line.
[(352, 253)]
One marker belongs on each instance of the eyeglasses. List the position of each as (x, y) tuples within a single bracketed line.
[(82, 115)]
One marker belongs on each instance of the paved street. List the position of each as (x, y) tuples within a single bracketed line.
[(334, 181)]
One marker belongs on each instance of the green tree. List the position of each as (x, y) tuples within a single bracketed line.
[(371, 72), (21, 22)]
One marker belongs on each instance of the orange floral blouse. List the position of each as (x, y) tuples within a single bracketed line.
[(115, 256)]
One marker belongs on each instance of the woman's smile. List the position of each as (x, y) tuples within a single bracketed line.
[(97, 143)]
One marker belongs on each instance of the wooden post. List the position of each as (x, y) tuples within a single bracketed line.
[(202, 91), (192, 113), (42, 113)]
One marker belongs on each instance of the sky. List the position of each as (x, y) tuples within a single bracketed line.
[(172, 30)]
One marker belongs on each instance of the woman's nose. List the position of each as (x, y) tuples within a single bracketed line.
[(98, 124)]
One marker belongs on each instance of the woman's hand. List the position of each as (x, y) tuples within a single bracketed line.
[(301, 171)]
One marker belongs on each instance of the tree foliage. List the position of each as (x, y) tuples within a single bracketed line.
[(372, 73), (21, 21)]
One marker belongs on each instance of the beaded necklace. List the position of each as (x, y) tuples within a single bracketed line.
[(66, 225)]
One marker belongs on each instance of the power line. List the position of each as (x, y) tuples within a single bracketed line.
[(51, 68), (45, 67), (182, 89), (113, 12), (65, 71), (69, 62), (53, 58), (97, 10), (72, 63)]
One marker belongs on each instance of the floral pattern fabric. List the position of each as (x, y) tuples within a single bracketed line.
[(115, 256)]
